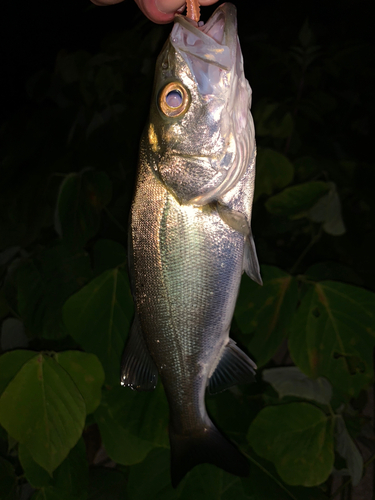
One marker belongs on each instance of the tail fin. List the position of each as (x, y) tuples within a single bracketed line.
[(205, 446)]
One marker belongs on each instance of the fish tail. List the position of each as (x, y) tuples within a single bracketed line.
[(207, 445)]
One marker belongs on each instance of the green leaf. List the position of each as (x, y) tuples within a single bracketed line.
[(132, 423), (267, 485), (333, 271), (296, 200), (81, 198), (107, 484), (4, 306), (36, 475), (43, 409), (327, 210), (204, 481), (98, 318), (24, 209), (72, 475), (108, 254), (298, 439), (274, 172), (44, 283), (3, 434), (266, 312), (86, 372), (49, 493), (10, 365), (346, 447), (70, 478), (272, 120), (306, 167), (207, 481), (333, 334), (290, 381), (8, 480), (158, 486)]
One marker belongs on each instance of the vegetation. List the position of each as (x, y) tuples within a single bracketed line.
[(68, 172)]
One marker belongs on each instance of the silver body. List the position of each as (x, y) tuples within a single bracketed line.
[(190, 235)]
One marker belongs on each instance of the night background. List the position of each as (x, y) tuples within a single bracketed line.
[(76, 83)]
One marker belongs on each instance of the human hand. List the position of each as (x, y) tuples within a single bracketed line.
[(158, 11)]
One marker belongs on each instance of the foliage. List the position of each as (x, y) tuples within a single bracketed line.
[(65, 301)]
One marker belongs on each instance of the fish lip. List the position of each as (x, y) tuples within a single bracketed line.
[(228, 10), (227, 46)]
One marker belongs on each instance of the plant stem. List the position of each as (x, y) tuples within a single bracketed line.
[(263, 469), (342, 496), (373, 420), (114, 220), (295, 110), (348, 481), (314, 239)]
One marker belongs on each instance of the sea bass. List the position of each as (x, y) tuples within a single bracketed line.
[(190, 238)]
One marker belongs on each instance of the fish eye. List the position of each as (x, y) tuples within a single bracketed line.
[(174, 99)]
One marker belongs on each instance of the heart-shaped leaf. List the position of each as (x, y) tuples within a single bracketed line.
[(43, 409)]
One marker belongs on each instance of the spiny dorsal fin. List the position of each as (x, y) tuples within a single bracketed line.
[(234, 367), (138, 370)]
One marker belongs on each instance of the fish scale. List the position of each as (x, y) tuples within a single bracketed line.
[(190, 238)]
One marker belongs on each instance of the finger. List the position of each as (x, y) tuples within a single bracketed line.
[(105, 2), (150, 9), (207, 2), (158, 11), (171, 6)]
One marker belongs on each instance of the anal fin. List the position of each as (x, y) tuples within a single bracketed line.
[(138, 370), (234, 367)]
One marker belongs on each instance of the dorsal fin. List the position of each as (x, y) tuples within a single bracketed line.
[(234, 367), (138, 370)]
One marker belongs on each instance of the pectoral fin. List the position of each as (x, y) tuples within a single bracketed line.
[(138, 370), (250, 260), (237, 220), (234, 367)]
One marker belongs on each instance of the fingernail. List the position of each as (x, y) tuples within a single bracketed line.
[(169, 6)]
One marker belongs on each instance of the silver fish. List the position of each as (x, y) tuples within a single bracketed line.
[(190, 238)]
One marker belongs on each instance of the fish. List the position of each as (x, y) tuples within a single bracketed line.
[(190, 236)]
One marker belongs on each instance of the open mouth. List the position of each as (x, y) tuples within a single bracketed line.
[(214, 43)]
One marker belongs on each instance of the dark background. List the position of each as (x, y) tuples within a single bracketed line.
[(34, 31), (338, 84), (330, 100)]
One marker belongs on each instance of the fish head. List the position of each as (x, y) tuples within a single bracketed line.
[(200, 135)]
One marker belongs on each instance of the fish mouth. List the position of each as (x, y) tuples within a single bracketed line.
[(208, 61), (210, 48)]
